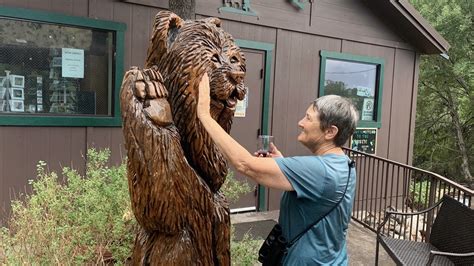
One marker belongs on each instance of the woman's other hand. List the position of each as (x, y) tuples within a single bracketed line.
[(272, 153)]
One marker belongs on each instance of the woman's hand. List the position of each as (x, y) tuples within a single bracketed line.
[(272, 153), (204, 100)]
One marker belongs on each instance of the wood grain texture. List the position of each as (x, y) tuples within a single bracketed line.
[(346, 19), (401, 105), (175, 170)]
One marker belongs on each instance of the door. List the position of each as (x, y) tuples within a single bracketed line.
[(245, 128)]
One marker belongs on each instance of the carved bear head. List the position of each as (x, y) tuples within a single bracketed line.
[(184, 50)]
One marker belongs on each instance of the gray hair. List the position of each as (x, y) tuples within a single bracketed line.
[(337, 111)]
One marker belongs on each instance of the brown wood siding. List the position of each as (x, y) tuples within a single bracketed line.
[(347, 19), (111, 138), (124, 13), (401, 106), (249, 31), (413, 108), (23, 147)]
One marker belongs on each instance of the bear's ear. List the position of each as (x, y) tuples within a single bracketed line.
[(213, 20), (165, 30)]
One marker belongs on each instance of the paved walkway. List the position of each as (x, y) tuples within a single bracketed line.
[(360, 241)]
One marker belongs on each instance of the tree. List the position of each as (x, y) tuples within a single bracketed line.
[(445, 115), (186, 9)]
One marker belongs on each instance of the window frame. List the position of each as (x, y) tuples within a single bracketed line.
[(117, 28), (379, 62)]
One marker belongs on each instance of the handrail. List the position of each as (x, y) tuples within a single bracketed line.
[(383, 183), (465, 189)]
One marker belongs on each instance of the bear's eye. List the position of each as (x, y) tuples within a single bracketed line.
[(215, 58), (234, 60)]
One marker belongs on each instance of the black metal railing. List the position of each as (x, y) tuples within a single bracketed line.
[(384, 184)]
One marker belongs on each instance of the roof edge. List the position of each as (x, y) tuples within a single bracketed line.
[(436, 38)]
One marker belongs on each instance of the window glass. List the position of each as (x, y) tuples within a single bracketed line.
[(354, 80), (55, 69)]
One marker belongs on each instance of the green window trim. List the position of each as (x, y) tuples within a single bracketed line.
[(299, 4), (268, 49), (237, 11), (244, 9), (58, 120), (357, 59)]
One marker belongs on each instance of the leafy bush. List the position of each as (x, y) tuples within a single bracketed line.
[(419, 193), (245, 251), (234, 188), (83, 219), (87, 219)]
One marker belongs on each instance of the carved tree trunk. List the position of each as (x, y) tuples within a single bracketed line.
[(186, 9)]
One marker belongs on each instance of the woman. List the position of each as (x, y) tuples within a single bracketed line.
[(313, 185)]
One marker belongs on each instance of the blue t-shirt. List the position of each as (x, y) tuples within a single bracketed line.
[(319, 183)]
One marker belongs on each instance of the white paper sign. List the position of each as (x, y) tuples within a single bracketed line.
[(363, 91), (241, 107), (72, 63), (368, 109)]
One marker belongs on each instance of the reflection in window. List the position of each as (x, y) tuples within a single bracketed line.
[(55, 69), (354, 80)]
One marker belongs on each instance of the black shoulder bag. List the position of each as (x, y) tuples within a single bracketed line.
[(276, 246)]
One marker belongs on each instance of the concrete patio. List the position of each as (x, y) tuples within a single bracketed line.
[(360, 241)]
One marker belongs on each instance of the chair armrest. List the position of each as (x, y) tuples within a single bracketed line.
[(414, 213), (441, 253), (389, 213), (434, 253)]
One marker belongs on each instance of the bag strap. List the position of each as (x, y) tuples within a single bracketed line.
[(351, 165)]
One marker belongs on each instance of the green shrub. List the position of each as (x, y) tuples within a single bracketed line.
[(233, 189), (87, 219), (245, 251), (419, 192), (83, 219)]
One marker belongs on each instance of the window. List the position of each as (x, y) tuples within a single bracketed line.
[(358, 78), (59, 70)]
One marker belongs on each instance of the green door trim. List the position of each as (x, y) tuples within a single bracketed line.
[(265, 126)]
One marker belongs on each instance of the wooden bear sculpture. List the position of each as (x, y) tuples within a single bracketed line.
[(175, 170)]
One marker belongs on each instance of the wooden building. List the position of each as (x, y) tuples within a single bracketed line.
[(66, 58)]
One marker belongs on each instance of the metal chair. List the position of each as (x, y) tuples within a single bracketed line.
[(451, 241)]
